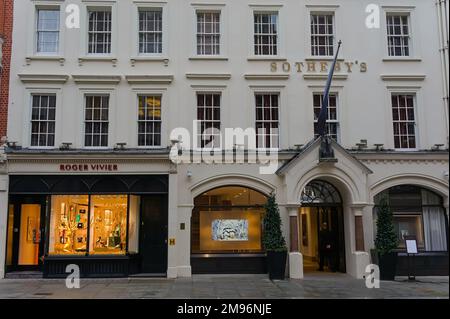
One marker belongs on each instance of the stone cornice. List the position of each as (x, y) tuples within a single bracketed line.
[(324, 77), (266, 76), (149, 79), (403, 77), (208, 76), (97, 79), (44, 78)]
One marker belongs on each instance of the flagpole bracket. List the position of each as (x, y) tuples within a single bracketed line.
[(326, 152)]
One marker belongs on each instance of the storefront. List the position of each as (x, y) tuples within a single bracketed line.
[(226, 231), (419, 213), (108, 225)]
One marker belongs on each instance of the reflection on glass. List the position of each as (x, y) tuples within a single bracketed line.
[(108, 224), (68, 224), (409, 225)]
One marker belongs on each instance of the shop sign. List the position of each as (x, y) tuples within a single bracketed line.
[(318, 66), (88, 167)]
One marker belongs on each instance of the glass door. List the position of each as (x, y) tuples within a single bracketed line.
[(26, 222)]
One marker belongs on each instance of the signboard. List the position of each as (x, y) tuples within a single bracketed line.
[(89, 167), (411, 245)]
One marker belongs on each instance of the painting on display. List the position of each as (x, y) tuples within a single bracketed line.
[(230, 230)]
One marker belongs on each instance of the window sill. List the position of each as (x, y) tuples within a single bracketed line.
[(266, 58), (97, 58), (402, 59), (149, 58), (322, 58), (208, 58), (58, 58)]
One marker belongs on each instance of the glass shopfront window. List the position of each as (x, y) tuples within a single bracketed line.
[(228, 220), (73, 232)]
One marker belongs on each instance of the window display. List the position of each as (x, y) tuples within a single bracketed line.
[(108, 224), (68, 224), (230, 229)]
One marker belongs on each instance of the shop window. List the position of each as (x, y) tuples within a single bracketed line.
[(420, 213), (70, 224), (108, 224), (228, 220)]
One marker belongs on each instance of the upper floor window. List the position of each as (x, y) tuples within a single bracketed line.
[(100, 31), (322, 34), (47, 31), (398, 35), (332, 122), (404, 121), (267, 120), (208, 33), (43, 120), (150, 31), (96, 124), (208, 117), (149, 120), (266, 33)]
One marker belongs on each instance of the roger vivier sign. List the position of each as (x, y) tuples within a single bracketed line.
[(318, 66), (88, 167)]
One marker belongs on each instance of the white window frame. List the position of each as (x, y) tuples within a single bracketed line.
[(92, 6), (334, 46), (325, 10), (204, 34), (267, 9), (26, 132), (137, 7), (409, 46), (210, 7), (338, 107), (161, 96), (419, 114), (37, 31), (414, 45), (85, 121), (255, 120), (416, 135), (277, 44), (198, 122), (33, 8)]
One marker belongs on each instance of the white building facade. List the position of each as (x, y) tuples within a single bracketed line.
[(88, 178)]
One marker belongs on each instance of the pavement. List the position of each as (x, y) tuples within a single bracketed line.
[(316, 285)]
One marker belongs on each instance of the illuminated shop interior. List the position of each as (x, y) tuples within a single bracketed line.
[(228, 220)]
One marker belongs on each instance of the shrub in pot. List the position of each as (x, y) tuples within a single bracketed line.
[(273, 241), (386, 241)]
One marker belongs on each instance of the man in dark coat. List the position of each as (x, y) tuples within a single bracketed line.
[(326, 248)]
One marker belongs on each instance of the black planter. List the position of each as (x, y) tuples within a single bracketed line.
[(388, 266), (276, 264)]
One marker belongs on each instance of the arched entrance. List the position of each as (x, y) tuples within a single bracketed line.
[(226, 230), (321, 224)]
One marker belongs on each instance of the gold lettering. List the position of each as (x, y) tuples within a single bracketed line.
[(273, 67), (349, 66), (363, 67), (323, 66), (311, 66), (286, 67), (337, 67), (299, 66)]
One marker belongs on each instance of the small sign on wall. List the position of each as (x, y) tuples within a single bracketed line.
[(172, 241)]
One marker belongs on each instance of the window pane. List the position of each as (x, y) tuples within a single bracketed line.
[(68, 225), (108, 224)]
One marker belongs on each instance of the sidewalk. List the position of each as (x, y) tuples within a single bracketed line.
[(226, 286)]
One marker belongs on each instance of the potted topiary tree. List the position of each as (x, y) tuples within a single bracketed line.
[(273, 240), (386, 241)]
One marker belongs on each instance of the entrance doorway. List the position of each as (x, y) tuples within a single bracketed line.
[(321, 224), (26, 224), (153, 234)]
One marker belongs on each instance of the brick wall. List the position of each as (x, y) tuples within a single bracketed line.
[(6, 25)]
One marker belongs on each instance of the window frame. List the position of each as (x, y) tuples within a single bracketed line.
[(99, 9), (161, 121), (30, 123), (198, 123), (96, 94), (409, 36), (219, 34), (338, 106), (331, 13), (271, 12), (267, 92), (416, 129), (37, 31)]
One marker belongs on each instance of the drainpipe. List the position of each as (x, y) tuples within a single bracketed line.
[(442, 10)]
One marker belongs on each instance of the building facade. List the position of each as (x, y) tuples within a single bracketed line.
[(115, 108)]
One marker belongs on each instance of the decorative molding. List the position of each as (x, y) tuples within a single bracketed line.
[(337, 77), (403, 77), (44, 78), (210, 76), (400, 59), (266, 76), (97, 79), (60, 59), (149, 79), (208, 58), (266, 59), (134, 60), (81, 60)]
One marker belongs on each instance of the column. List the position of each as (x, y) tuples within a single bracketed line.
[(173, 226), (295, 257), (184, 241), (360, 256), (3, 217)]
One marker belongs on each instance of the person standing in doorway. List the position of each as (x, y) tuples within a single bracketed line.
[(326, 249)]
